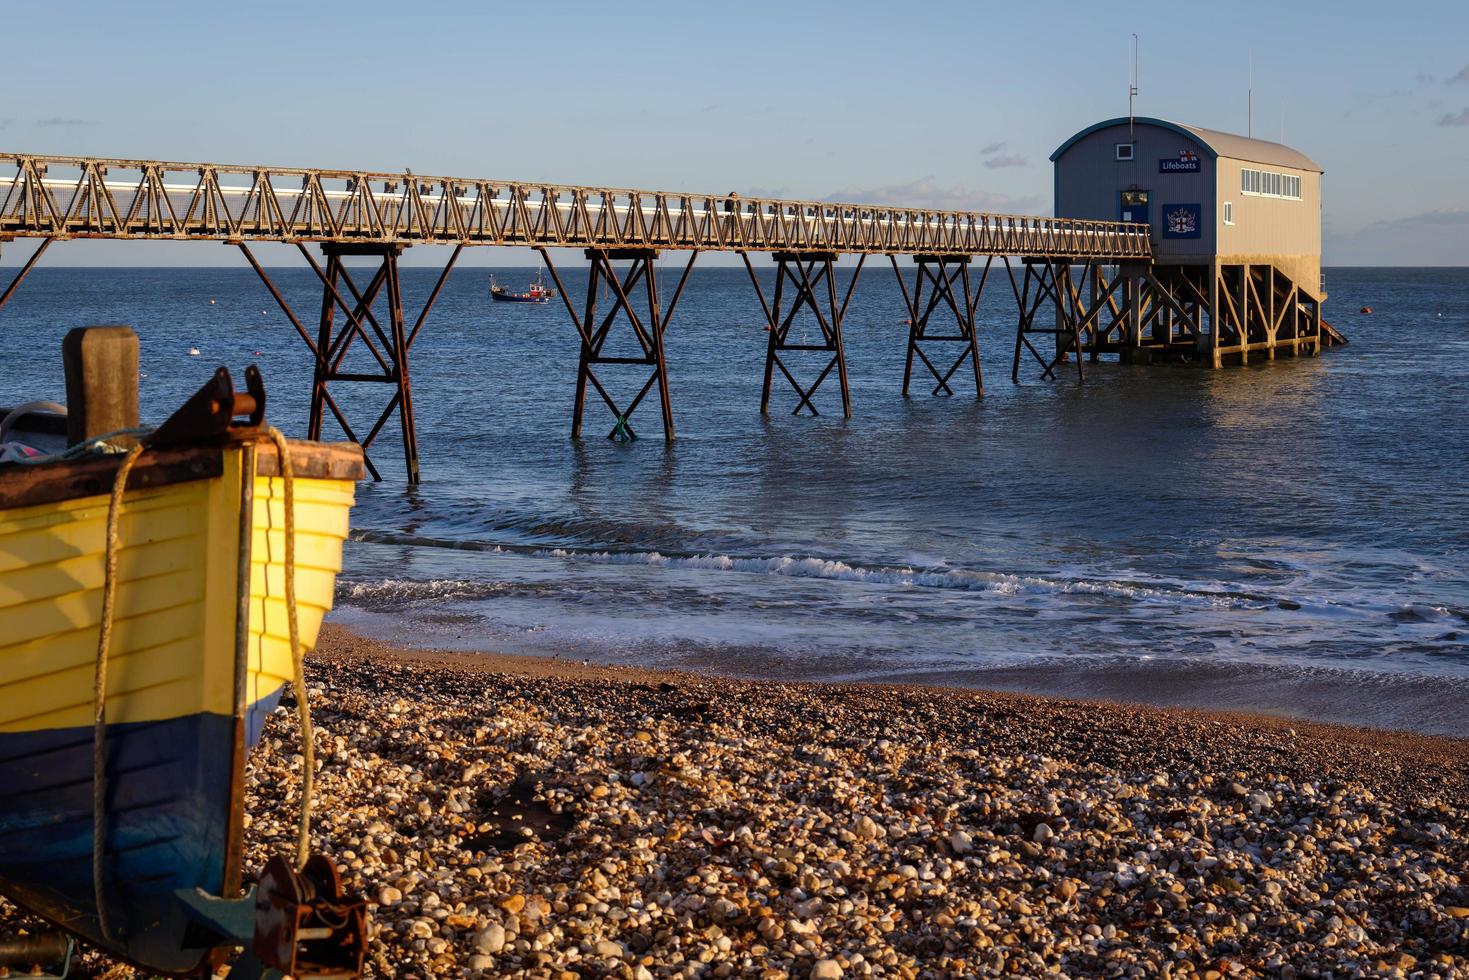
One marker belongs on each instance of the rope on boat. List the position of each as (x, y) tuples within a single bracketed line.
[(298, 672), (99, 690), (96, 444), (104, 643)]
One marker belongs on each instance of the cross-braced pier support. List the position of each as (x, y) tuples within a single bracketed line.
[(1260, 310), (805, 272), (1214, 314), (1051, 278), (942, 274), (387, 344), (648, 327)]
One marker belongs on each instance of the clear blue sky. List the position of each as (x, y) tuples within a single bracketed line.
[(944, 103)]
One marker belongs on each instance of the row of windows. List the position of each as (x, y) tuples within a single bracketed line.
[(1268, 184)]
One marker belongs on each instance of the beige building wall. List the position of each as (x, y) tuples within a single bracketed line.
[(1270, 230)]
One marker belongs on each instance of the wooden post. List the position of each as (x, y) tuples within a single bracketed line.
[(101, 366), (1134, 311), (1244, 314), (1214, 325)]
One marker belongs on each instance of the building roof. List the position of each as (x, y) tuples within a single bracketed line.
[(1215, 143)]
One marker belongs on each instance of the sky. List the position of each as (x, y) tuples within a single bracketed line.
[(941, 104)]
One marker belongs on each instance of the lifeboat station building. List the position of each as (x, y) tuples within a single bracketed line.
[(1235, 225)]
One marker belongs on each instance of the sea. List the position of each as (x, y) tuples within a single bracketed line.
[(1289, 538)]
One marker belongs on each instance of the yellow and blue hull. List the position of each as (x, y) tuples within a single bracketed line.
[(199, 655)]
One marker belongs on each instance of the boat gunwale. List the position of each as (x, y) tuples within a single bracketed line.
[(49, 483)]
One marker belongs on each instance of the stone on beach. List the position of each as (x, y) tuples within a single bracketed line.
[(790, 831)]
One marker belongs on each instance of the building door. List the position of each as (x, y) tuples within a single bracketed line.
[(1134, 206)]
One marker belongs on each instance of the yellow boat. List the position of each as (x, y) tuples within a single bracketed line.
[(198, 655)]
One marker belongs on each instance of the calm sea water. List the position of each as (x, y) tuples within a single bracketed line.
[(1289, 537)]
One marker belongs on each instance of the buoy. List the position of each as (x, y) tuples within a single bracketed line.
[(257, 353), (1366, 309), (193, 352), (211, 302), (262, 313)]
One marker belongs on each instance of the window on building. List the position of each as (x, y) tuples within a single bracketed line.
[(1124, 151), (1266, 183), (1229, 212)]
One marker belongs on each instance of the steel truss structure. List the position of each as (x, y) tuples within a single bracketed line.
[(943, 273), (1049, 279), (94, 197), (805, 272), (330, 347), (1220, 313), (595, 333)]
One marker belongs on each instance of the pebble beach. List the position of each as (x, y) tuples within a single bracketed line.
[(526, 817)]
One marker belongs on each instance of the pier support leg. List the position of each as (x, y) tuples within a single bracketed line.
[(1051, 280), (25, 270), (387, 345), (942, 274), (805, 272), (647, 326), (1216, 319)]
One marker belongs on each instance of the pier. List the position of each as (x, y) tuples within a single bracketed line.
[(1079, 280)]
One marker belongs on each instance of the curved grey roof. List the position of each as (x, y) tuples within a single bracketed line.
[(1215, 143)]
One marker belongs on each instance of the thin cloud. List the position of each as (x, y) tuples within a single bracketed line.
[(992, 148), (1462, 76), (926, 192), (1438, 237), (61, 121), (714, 107), (5, 122), (1006, 160), (1443, 217), (1460, 118)]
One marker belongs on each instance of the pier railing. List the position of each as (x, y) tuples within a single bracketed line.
[(87, 197)]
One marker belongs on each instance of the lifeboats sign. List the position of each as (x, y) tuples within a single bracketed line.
[(1187, 162)]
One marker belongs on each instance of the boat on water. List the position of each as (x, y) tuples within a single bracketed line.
[(142, 854), (536, 292)]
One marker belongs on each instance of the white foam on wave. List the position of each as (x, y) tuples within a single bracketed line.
[(944, 578), (412, 590)]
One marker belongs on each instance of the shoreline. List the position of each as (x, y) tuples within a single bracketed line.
[(341, 643)]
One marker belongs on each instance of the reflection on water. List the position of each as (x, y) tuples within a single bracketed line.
[(1290, 535)]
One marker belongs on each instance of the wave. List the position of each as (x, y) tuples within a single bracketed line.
[(814, 567), (1140, 588)]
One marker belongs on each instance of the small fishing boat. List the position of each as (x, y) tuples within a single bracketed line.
[(535, 293), (125, 719)]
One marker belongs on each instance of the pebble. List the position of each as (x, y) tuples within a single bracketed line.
[(490, 939), (535, 826)]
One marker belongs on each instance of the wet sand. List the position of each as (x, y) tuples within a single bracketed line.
[(524, 816)]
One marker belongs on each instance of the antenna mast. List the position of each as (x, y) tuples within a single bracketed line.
[(1250, 99), (1132, 85)]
